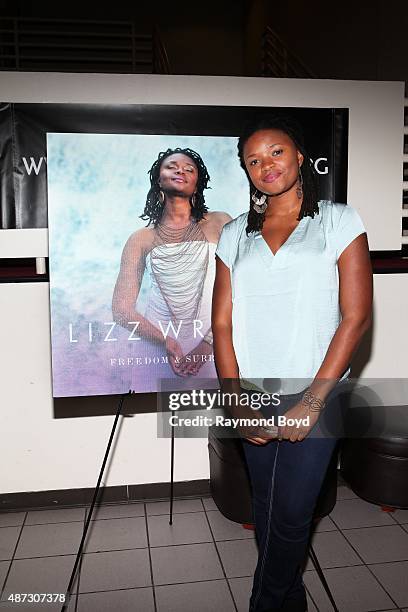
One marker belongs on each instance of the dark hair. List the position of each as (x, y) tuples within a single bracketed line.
[(154, 207), (294, 131)]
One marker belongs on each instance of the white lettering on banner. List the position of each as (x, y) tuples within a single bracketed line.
[(137, 361), (325, 170), (36, 165), (91, 332), (197, 329), (170, 324), (316, 164), (71, 336), (107, 337), (33, 165), (136, 325)]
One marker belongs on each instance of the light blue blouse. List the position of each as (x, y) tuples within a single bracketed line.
[(285, 307)]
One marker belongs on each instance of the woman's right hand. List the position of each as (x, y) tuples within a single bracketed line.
[(258, 440), (254, 432), (258, 435)]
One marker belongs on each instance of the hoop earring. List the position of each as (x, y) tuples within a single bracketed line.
[(259, 204), (299, 188), (193, 200), (162, 197)]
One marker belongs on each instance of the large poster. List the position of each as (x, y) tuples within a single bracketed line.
[(117, 329)]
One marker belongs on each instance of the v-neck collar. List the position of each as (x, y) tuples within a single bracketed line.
[(266, 250)]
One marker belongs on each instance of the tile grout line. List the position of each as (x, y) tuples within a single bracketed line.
[(356, 551), (364, 563), (50, 523), (350, 543), (150, 558), (219, 557), (387, 562), (394, 519), (13, 557), (196, 544), (166, 584), (381, 585), (166, 513), (370, 526), (149, 586), (209, 541)]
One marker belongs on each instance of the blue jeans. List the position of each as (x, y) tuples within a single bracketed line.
[(286, 479)]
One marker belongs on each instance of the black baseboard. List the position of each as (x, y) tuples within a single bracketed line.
[(65, 498)]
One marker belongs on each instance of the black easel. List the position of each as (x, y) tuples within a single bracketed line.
[(171, 476), (322, 577), (88, 520)]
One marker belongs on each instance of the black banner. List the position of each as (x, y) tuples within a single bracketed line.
[(23, 129)]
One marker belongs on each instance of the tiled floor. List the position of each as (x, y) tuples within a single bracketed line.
[(135, 561)]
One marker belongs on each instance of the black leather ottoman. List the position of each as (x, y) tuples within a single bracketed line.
[(376, 469)]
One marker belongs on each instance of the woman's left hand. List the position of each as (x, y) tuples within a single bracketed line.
[(190, 367), (306, 419)]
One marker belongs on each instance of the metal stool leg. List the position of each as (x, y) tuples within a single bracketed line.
[(323, 580)]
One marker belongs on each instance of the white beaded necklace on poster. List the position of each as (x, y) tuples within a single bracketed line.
[(180, 272)]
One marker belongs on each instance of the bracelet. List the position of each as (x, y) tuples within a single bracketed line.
[(314, 403), (271, 430), (208, 337)]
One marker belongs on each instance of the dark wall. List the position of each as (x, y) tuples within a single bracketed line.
[(351, 39), (200, 37)]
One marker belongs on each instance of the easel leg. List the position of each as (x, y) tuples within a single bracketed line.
[(171, 476), (96, 492)]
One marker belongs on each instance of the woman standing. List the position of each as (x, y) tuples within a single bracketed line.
[(292, 300), (176, 250)]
